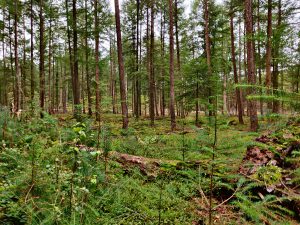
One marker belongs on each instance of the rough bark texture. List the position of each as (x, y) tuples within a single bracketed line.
[(250, 64), (269, 52), (182, 114), (121, 67), (172, 94), (76, 89), (276, 60), (162, 49), (32, 77), (151, 77), (137, 93), (42, 58), (17, 67), (88, 79), (97, 61), (259, 57), (236, 81), (208, 52)]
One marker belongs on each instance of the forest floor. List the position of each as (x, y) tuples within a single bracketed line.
[(58, 171)]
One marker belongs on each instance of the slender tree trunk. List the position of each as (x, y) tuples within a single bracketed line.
[(151, 77), (112, 75), (121, 67), (259, 57), (32, 77), (50, 65), (97, 61), (76, 88), (178, 56), (64, 90), (23, 70), (59, 73), (136, 82), (276, 60), (162, 39), (197, 101), (17, 66), (269, 52), (4, 70), (208, 52), (42, 57), (5, 100), (87, 73), (172, 93), (70, 50), (236, 81), (82, 89), (10, 31), (250, 63)]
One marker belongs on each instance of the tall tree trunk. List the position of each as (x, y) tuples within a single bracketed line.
[(5, 100), (172, 93), (76, 89), (97, 61), (269, 52), (64, 90), (236, 81), (208, 52), (23, 70), (151, 77), (178, 56), (197, 101), (4, 66), (121, 67), (10, 31), (32, 77), (87, 73), (82, 89), (276, 60), (162, 40), (42, 57), (259, 57), (136, 82), (70, 52), (50, 65), (17, 66), (250, 64), (112, 75)]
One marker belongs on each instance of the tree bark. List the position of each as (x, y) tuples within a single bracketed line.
[(70, 52), (250, 64), (208, 53), (276, 60), (269, 52), (172, 94), (76, 88), (97, 61), (259, 57), (162, 40), (17, 66), (137, 94), (32, 77), (42, 58), (236, 81), (88, 79), (121, 67), (181, 103), (151, 77), (50, 65)]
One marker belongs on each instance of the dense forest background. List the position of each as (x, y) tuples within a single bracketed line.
[(149, 112), (62, 55)]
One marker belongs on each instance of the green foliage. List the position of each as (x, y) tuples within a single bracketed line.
[(270, 174)]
